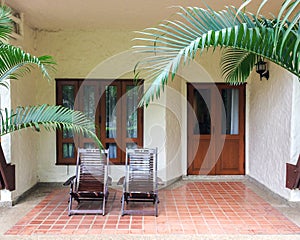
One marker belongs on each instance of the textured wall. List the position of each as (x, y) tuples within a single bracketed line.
[(270, 119), (295, 132), (174, 144), (23, 145)]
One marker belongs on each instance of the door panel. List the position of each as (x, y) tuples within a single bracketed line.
[(232, 158), (201, 152), (228, 162), (199, 130), (220, 122)]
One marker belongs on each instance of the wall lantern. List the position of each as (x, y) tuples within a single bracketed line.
[(261, 69)]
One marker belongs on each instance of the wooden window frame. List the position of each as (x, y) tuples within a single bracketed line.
[(100, 118)]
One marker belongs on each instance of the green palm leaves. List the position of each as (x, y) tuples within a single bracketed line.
[(243, 35), (50, 117), (15, 63), (5, 22)]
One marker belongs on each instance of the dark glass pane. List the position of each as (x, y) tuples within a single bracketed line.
[(111, 111), (89, 145), (68, 150), (132, 145), (131, 111), (112, 150), (202, 105), (68, 97), (67, 134), (230, 118), (89, 101)]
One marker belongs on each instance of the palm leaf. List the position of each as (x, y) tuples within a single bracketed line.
[(50, 117), (237, 65), (5, 23), (15, 63), (178, 41)]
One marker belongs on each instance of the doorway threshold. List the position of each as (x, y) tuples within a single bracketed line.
[(216, 178)]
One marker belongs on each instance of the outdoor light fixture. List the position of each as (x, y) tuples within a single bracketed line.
[(261, 69)]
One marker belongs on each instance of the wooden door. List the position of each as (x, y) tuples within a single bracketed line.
[(216, 115)]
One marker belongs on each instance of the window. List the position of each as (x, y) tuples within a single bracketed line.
[(17, 24), (112, 105)]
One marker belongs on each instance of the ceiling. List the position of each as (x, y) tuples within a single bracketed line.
[(55, 15)]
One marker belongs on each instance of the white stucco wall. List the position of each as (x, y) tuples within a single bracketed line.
[(174, 123), (295, 129), (270, 137), (20, 148)]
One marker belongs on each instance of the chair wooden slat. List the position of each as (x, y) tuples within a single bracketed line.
[(91, 179), (140, 182)]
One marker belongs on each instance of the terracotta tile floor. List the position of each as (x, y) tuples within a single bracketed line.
[(187, 208)]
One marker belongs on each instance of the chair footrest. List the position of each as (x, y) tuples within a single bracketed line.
[(72, 212), (139, 212), (145, 196), (88, 195)]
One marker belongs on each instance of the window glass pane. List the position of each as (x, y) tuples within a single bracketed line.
[(68, 102), (230, 119), (112, 150), (131, 111), (111, 111), (89, 101), (68, 150), (68, 96), (89, 145), (201, 106), (132, 145)]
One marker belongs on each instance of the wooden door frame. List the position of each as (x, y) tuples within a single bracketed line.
[(242, 126)]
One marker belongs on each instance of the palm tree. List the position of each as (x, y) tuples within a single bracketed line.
[(15, 63), (244, 37)]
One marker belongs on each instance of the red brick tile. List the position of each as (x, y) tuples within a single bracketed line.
[(193, 208)]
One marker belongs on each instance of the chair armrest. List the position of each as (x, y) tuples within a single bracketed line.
[(109, 181), (160, 182), (69, 181), (121, 180)]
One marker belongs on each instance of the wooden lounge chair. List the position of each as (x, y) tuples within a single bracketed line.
[(91, 180), (140, 181)]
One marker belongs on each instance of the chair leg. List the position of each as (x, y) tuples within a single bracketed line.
[(156, 206), (70, 205), (123, 203), (103, 205)]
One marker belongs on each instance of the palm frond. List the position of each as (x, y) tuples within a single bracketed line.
[(15, 63), (50, 117), (178, 41), (236, 65), (5, 22)]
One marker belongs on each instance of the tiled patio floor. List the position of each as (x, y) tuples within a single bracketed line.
[(187, 208)]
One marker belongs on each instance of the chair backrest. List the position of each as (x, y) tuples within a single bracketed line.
[(141, 170), (92, 170)]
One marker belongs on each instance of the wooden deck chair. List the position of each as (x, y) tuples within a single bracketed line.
[(140, 182), (91, 180)]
